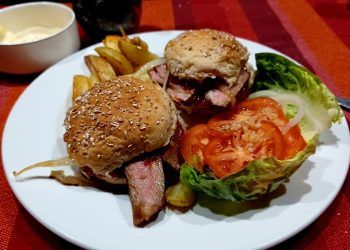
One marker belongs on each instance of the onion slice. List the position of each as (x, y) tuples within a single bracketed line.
[(284, 100), (295, 100), (49, 164)]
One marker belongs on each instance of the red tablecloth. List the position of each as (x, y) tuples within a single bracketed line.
[(314, 32)]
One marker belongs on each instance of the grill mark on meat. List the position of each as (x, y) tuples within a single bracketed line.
[(146, 188), (172, 152)]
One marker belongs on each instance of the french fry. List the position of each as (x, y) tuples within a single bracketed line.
[(93, 79), (80, 85), (139, 43), (118, 61), (136, 55), (100, 67), (112, 41)]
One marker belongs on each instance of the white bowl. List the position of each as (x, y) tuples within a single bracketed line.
[(33, 57)]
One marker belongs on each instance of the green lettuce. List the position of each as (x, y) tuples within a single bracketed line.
[(282, 76), (260, 177)]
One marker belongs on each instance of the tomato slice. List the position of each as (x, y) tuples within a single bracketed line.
[(193, 144), (261, 109), (294, 142), (233, 138), (224, 159), (226, 156), (272, 142), (270, 110)]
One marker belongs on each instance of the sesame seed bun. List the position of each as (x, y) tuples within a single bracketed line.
[(116, 121), (199, 54)]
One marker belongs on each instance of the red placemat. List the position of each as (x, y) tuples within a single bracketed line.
[(314, 32)]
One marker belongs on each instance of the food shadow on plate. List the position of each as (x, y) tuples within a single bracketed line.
[(317, 178), (327, 138)]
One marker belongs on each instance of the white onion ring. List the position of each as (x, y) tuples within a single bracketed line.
[(284, 99)]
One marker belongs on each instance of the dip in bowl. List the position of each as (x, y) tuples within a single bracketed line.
[(33, 36)]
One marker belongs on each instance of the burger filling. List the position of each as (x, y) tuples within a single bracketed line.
[(191, 95)]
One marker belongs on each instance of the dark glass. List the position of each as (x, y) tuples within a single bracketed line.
[(102, 17)]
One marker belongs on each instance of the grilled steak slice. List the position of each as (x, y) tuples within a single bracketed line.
[(217, 97), (224, 95), (146, 188), (210, 97), (179, 93), (172, 152), (158, 73)]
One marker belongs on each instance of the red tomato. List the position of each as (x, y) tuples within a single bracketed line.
[(193, 144), (261, 108), (224, 159), (272, 142), (294, 142), (226, 156), (234, 138)]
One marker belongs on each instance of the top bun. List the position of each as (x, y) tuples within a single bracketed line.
[(116, 121), (199, 54)]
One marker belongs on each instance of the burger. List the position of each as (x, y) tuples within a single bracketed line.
[(116, 132), (204, 71)]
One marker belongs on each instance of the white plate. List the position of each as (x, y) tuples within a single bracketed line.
[(94, 219)]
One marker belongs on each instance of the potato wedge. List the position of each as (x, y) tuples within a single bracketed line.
[(80, 85), (112, 42), (118, 61), (136, 55), (139, 43), (100, 67), (93, 79), (180, 195)]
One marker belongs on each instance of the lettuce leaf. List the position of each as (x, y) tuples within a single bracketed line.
[(260, 177), (283, 76)]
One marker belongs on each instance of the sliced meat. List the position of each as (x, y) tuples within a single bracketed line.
[(158, 73), (218, 97), (180, 93), (225, 95), (172, 152), (177, 91), (146, 188), (241, 80)]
